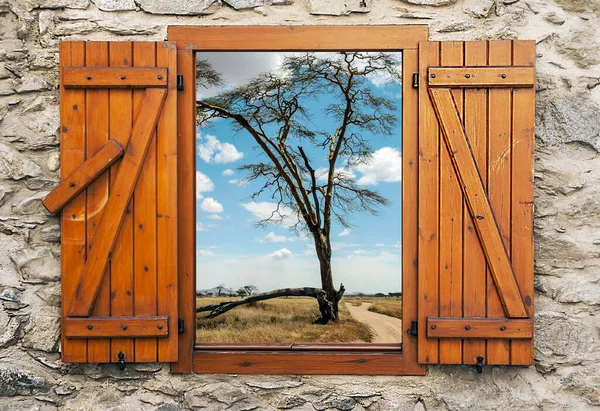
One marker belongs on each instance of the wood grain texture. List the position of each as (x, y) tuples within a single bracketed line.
[(144, 218), (126, 178), (474, 262), (72, 154), (479, 206), (503, 76), (451, 223), (490, 328), (116, 327), (523, 120), (310, 38), (97, 131), (121, 265), (166, 203), (112, 77), (429, 183), (82, 176)]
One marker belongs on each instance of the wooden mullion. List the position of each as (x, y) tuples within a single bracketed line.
[(451, 222), (72, 154), (97, 118), (499, 189), (523, 119), (429, 144), (474, 263), (121, 123), (145, 252)]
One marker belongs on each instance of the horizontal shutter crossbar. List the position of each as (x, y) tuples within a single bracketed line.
[(114, 77), (482, 77), (477, 327), (116, 327), (83, 176)]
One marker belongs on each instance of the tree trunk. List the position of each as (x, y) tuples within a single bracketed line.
[(329, 305)]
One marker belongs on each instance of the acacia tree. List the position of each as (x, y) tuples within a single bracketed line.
[(274, 109)]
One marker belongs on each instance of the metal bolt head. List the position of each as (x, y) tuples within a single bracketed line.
[(122, 77), (89, 77), (123, 327), (467, 75), (160, 327), (72, 184), (160, 77), (433, 326), (503, 76), (467, 327), (89, 327), (433, 75), (503, 328)]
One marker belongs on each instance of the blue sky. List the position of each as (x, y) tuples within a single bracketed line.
[(232, 251)]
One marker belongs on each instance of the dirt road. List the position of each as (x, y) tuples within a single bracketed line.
[(386, 329)]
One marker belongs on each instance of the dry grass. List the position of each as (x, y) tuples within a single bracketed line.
[(391, 306), (280, 320)]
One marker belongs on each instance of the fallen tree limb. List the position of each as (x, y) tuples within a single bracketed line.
[(221, 308)]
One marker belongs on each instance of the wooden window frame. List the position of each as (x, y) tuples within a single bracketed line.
[(305, 358)]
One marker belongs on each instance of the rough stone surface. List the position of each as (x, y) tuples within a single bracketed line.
[(566, 375)]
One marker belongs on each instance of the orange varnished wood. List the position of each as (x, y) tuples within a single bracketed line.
[(186, 208), (479, 206), (490, 328), (111, 77), (282, 362), (429, 183), (310, 38), (82, 176), (116, 327), (523, 120), (451, 223), (127, 176), (72, 154), (97, 132), (474, 263), (166, 203), (121, 266), (499, 184), (144, 219), (477, 77)]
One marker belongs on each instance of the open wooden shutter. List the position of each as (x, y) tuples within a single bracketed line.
[(476, 121), (118, 145)]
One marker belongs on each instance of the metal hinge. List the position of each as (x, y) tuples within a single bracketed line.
[(415, 80), (414, 328), (180, 82), (180, 326)]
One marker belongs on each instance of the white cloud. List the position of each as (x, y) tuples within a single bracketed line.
[(345, 232), (264, 210), (211, 150), (340, 172), (385, 165), (281, 254), (274, 238), (239, 182), (205, 253), (203, 184), (210, 205), (202, 227), (215, 217), (379, 245), (228, 172)]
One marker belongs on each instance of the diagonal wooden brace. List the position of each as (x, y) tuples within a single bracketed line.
[(114, 213), (477, 201), (83, 176)]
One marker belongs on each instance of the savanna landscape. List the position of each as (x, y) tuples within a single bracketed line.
[(293, 320)]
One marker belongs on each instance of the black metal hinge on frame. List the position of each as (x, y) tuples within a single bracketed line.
[(415, 80), (414, 328), (180, 82), (180, 326)]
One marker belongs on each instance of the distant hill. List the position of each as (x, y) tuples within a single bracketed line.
[(216, 291)]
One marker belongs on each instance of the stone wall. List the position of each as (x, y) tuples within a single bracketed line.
[(567, 219)]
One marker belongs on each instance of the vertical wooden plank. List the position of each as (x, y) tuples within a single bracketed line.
[(451, 224), (499, 175), (474, 263), (121, 121), (410, 210), (166, 184), (186, 169), (97, 193), (523, 120), (429, 144), (144, 217), (72, 154)]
